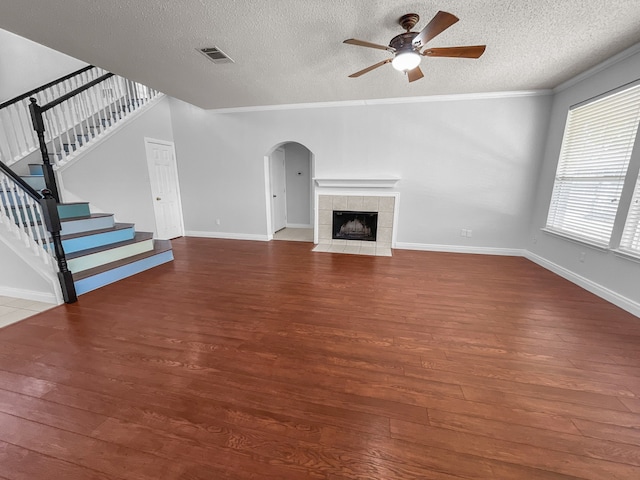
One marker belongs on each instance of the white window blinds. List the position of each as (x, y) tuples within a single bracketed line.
[(594, 158), (631, 235)]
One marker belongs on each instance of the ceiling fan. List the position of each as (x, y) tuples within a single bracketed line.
[(407, 46)]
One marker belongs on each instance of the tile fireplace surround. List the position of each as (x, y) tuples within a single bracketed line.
[(383, 204)]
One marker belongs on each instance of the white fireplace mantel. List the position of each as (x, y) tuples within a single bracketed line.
[(381, 182)]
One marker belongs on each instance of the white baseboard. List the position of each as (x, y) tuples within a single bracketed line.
[(44, 297), (298, 225), (510, 252), (595, 288), (229, 236)]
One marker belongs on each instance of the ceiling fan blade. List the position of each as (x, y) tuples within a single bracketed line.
[(362, 43), (474, 51), (368, 69), (415, 74), (438, 24)]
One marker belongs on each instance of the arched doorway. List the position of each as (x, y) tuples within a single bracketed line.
[(290, 192)]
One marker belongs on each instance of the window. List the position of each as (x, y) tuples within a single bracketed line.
[(594, 159), (631, 236)]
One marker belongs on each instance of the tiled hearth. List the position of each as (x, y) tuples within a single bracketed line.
[(384, 205)]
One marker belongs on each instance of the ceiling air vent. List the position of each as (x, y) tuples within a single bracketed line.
[(215, 55)]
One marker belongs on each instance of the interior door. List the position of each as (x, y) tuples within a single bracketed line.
[(278, 191), (163, 174)]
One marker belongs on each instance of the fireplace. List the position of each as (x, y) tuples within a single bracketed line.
[(350, 225), (331, 216)]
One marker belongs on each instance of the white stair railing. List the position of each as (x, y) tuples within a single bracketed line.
[(22, 216), (81, 117), (17, 137)]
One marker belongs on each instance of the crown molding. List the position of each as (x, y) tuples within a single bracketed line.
[(387, 182), (629, 52), (386, 101)]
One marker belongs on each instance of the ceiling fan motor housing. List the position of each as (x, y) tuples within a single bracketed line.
[(404, 42)]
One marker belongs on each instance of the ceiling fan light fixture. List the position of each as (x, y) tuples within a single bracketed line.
[(405, 61)]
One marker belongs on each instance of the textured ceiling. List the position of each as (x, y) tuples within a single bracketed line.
[(291, 51)]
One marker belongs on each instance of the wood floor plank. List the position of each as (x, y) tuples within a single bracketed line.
[(459, 461), (440, 372), (48, 413), (539, 458), (608, 449), (105, 457), (570, 410), (606, 431), (264, 360), (18, 463), (541, 375)]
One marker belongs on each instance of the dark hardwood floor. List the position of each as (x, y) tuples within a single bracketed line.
[(250, 360)]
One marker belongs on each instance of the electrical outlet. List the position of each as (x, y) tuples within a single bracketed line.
[(217, 221), (463, 232), (469, 233), (582, 257)]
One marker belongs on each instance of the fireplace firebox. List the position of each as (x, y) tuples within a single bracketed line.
[(349, 225)]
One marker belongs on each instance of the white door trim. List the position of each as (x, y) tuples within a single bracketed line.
[(267, 195), (147, 142), (275, 213)]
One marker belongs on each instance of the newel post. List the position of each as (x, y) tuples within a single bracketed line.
[(52, 221), (37, 119)]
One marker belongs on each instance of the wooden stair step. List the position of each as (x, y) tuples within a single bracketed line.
[(35, 169), (117, 226), (102, 275), (73, 210), (93, 222), (85, 240), (94, 257), (35, 181)]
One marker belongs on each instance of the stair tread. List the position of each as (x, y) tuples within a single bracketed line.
[(93, 215), (139, 237), (116, 227), (71, 203), (159, 246)]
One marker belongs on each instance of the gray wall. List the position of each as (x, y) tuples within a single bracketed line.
[(25, 65), (601, 271), (468, 163), (17, 277), (114, 176), (297, 160)]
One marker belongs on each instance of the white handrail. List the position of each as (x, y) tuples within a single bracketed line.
[(17, 137), (22, 215)]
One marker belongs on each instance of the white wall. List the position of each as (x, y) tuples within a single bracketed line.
[(297, 160), (20, 278), (25, 65), (463, 163), (114, 176), (611, 276)]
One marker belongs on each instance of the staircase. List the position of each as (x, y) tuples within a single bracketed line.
[(98, 250)]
